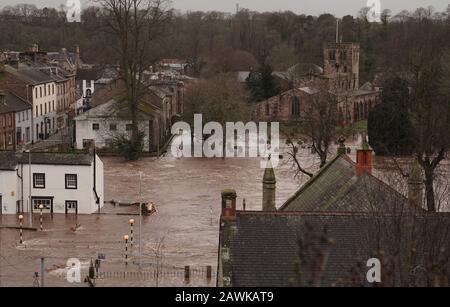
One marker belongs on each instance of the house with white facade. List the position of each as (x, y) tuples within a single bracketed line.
[(42, 94), (110, 120), (61, 182)]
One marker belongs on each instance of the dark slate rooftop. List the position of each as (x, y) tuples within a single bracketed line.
[(13, 103), (118, 110), (322, 249), (8, 160), (30, 75), (336, 188)]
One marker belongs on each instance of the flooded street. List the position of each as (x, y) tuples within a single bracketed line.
[(183, 232), (187, 195)]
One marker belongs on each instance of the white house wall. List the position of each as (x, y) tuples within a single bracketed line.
[(11, 189), (104, 135), (8, 191), (23, 121)]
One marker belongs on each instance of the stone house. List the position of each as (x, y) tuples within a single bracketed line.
[(340, 218)]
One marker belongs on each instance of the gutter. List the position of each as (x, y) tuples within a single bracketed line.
[(21, 184), (97, 201)]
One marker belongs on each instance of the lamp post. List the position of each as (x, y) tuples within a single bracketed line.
[(30, 210), (41, 206), (140, 220), (125, 237), (20, 228), (131, 232)]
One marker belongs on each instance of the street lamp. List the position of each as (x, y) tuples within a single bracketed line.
[(126, 237), (20, 229), (131, 231), (41, 206), (30, 211), (140, 220)]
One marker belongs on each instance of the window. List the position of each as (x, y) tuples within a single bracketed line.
[(113, 127), (296, 106), (71, 182), (27, 134), (46, 202), (129, 127), (39, 181), (267, 109), (95, 127)]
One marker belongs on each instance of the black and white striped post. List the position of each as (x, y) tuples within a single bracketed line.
[(20, 228), (126, 237), (41, 206), (131, 232)]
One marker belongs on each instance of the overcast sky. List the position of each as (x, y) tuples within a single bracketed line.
[(313, 7)]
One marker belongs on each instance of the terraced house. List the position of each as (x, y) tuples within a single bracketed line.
[(15, 121)]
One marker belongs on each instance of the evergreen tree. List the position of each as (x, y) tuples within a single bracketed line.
[(261, 84), (389, 126)]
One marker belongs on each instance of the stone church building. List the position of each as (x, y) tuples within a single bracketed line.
[(339, 76)]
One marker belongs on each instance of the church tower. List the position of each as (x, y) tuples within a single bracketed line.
[(269, 188), (341, 64)]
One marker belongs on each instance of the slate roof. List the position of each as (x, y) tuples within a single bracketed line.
[(265, 247), (30, 75), (305, 69), (13, 103), (365, 89), (115, 109), (336, 188), (8, 160)]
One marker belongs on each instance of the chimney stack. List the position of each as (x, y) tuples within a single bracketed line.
[(341, 148), (269, 188), (34, 48), (228, 204), (364, 158), (415, 186)]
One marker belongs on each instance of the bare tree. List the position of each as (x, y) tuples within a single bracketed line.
[(136, 24), (320, 120)]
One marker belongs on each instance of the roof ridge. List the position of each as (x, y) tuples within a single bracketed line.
[(312, 179)]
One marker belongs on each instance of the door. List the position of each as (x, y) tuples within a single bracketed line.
[(71, 207)]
